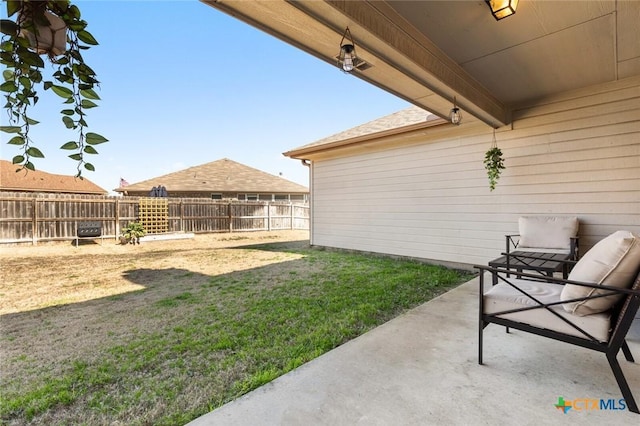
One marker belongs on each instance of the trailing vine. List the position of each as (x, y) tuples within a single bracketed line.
[(493, 162), (73, 80)]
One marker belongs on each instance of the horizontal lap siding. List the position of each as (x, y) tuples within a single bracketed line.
[(578, 154)]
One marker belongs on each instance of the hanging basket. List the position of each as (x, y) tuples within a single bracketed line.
[(494, 163), (50, 40)]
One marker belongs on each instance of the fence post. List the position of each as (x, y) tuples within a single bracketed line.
[(268, 216), (34, 222), (181, 216), (230, 217), (292, 210), (117, 219)]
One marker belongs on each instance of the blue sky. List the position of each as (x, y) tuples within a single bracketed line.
[(183, 84)]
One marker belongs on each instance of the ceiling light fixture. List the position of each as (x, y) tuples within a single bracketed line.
[(454, 115), (500, 9), (347, 58)]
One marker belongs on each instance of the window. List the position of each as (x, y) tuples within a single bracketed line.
[(216, 196)]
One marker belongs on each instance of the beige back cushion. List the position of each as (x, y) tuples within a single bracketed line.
[(553, 232), (614, 261)]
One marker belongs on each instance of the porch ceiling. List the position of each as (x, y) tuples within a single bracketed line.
[(427, 52)]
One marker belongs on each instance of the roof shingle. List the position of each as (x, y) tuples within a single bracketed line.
[(222, 176), (403, 118), (39, 181)]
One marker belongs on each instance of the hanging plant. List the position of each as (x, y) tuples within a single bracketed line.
[(493, 162), (55, 30)]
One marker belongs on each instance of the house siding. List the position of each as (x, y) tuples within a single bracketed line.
[(575, 154)]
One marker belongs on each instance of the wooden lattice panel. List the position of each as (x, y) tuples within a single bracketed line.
[(154, 215)]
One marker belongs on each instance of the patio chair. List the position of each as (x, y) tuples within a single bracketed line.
[(545, 234), (593, 309), (544, 244)]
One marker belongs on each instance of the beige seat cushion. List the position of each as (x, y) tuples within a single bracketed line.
[(550, 232), (503, 297), (614, 261)]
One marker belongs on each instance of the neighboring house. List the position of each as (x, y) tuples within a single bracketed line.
[(222, 179), (560, 81), (36, 181)]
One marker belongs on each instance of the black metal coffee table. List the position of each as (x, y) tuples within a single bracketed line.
[(519, 261)]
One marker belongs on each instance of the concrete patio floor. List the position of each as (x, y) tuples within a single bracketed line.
[(421, 369)]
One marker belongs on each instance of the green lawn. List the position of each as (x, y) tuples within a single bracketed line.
[(207, 339)]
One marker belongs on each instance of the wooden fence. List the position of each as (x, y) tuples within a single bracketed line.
[(54, 217)]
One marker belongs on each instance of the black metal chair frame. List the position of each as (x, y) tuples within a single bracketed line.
[(623, 315), (512, 241)]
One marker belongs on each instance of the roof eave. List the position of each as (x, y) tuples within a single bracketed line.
[(403, 61), (214, 190), (59, 191), (303, 153)]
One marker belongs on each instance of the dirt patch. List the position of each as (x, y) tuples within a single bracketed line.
[(35, 277), (58, 299)]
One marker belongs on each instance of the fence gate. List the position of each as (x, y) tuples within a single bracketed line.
[(154, 215)]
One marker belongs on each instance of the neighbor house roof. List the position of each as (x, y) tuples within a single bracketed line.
[(402, 121), (219, 176), (38, 181)]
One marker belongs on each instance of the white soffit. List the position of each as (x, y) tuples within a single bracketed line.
[(550, 64), (547, 47)]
